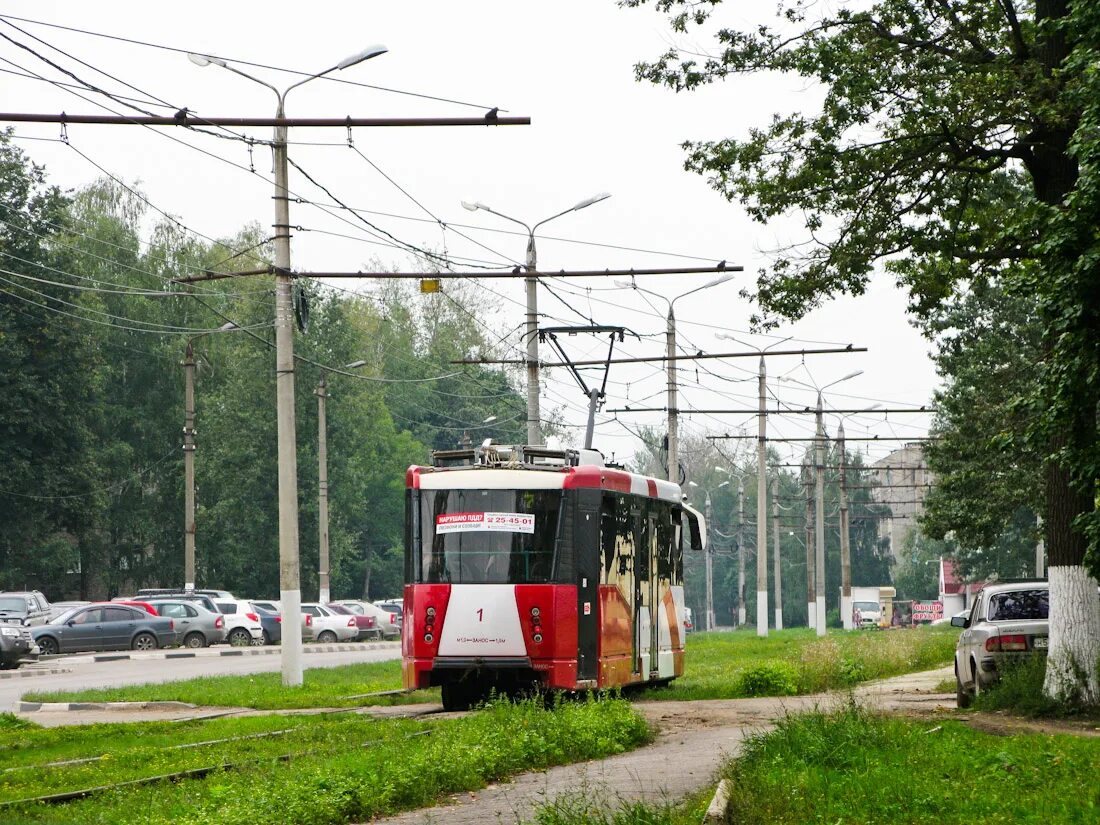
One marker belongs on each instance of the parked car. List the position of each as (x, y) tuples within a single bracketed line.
[(176, 595), (148, 592), (104, 626), (196, 625), (329, 626), (242, 623), (396, 609), (271, 623), (367, 626), (16, 644), (388, 629), (277, 608), (25, 607), (1007, 623)]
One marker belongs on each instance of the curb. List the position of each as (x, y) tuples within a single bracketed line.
[(208, 653), (717, 810), (23, 674), (60, 707)]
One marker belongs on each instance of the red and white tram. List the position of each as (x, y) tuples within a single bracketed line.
[(525, 565)]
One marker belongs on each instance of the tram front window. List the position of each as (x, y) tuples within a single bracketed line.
[(488, 536)]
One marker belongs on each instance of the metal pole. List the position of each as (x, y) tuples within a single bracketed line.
[(534, 432), (778, 580), (590, 430), (845, 540), (811, 557), (741, 611), (189, 468), (709, 559), (673, 424), (322, 491), (762, 511), (290, 587), (819, 518)]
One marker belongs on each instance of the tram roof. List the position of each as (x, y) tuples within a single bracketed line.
[(590, 476)]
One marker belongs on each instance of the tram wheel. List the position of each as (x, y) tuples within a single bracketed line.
[(457, 696)]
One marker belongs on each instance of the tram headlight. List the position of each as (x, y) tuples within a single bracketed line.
[(430, 613), (535, 612), (428, 637), (538, 638)]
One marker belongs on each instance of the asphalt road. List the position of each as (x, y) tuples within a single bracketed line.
[(146, 671)]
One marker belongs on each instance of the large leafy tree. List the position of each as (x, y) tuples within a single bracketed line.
[(956, 144), (50, 485)]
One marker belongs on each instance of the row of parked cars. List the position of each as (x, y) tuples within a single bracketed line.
[(30, 625)]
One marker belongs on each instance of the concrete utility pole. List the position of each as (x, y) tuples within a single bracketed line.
[(811, 557), (290, 586), (189, 433), (322, 493), (762, 509), (742, 617), (846, 616), (777, 576), (534, 415), (189, 468), (709, 571), (819, 518), (671, 358)]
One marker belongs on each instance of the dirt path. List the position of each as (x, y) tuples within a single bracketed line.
[(694, 739)]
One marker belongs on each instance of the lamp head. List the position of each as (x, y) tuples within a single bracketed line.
[(205, 60), (359, 57), (624, 284), (594, 199), (355, 365), (473, 206), (227, 326), (489, 420), (721, 279)]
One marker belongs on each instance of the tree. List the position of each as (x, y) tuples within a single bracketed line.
[(50, 484), (956, 146)]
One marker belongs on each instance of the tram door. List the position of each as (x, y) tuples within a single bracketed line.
[(653, 601), (586, 547), (645, 627), (638, 567)]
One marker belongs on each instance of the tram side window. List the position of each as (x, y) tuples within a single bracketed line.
[(617, 537), (666, 550), (644, 544)]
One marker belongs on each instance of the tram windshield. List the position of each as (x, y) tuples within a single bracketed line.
[(488, 536)]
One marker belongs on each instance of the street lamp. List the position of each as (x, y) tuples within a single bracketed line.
[(322, 484), (290, 587), (189, 454), (709, 623), (534, 434), (670, 365)]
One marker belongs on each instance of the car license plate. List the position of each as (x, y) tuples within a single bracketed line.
[(1039, 643)]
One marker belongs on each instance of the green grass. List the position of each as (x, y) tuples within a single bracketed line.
[(790, 662), (1020, 691), (598, 807), (321, 688), (854, 766), (344, 767), (727, 665)]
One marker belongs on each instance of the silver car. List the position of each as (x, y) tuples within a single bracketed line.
[(1007, 622), (196, 626)]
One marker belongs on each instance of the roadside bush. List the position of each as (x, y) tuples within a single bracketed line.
[(768, 679)]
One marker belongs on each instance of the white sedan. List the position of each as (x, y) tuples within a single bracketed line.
[(329, 626)]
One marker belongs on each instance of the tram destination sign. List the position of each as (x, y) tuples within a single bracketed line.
[(490, 522)]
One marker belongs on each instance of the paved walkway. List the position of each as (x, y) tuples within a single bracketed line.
[(695, 739)]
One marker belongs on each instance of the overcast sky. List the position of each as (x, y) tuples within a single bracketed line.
[(569, 66)]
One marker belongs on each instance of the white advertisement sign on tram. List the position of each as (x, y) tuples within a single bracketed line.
[(490, 522)]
